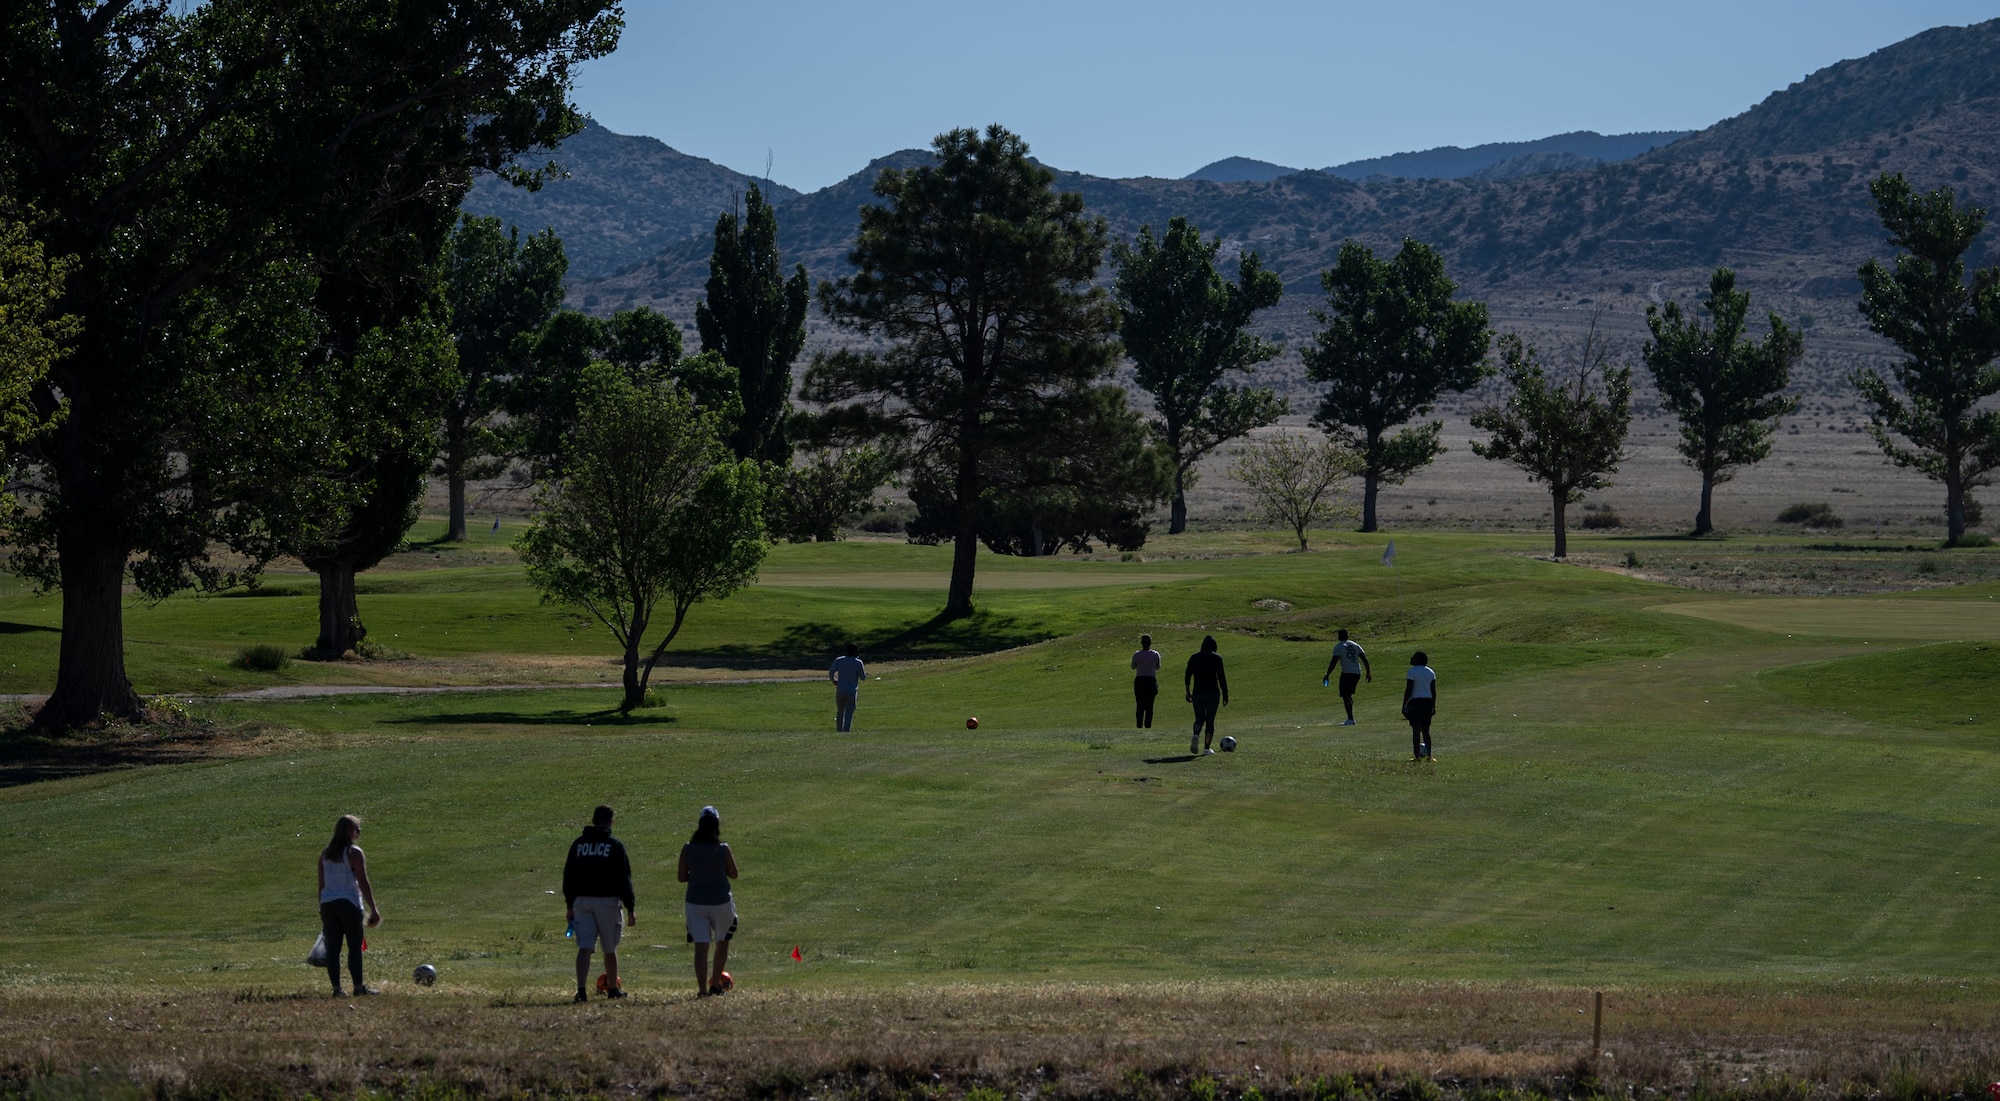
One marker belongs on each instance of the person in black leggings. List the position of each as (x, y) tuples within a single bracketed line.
[(343, 888), (1208, 690), (1145, 681)]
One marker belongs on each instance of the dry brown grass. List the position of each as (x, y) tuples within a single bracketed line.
[(1310, 1041)]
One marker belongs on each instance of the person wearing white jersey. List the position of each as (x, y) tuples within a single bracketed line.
[(1353, 662), (847, 674), (343, 889), (1420, 693), (1145, 681)]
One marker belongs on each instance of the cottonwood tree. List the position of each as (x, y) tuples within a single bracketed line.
[(641, 343), (502, 292), (1726, 389), (1566, 431), (1926, 414), (755, 319), (1392, 343), (1297, 480), (1183, 326), (808, 501), (186, 157), (977, 274), (653, 513)]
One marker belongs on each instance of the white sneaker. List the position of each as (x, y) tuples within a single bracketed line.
[(1208, 752), (1349, 722)]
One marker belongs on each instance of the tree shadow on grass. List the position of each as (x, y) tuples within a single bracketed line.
[(606, 717), (10, 628), (937, 637), (28, 756)]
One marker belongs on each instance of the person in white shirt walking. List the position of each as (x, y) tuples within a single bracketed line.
[(1353, 662), (847, 674), (1145, 681), (1420, 694)]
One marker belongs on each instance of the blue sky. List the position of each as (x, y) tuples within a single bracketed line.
[(1124, 88)]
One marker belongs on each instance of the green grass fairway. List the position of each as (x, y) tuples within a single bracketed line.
[(1636, 784)]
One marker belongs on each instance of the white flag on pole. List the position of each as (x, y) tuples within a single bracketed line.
[(1389, 555)]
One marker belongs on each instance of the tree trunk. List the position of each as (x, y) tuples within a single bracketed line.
[(455, 528), (1562, 523), (635, 688), (340, 628), (1954, 508), (965, 537), (1703, 520), (1177, 521), (90, 669), (1369, 482)]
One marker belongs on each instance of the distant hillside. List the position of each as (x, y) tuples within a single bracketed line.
[(1239, 170), (1450, 162), (625, 199), (1894, 91)]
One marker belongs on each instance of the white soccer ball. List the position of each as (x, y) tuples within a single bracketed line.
[(1228, 744), (425, 974)]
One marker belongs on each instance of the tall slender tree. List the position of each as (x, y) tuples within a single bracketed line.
[(187, 156), (1727, 390), (978, 274), (755, 319), (1566, 432), (502, 292), (1392, 343), (1183, 326), (1926, 414)]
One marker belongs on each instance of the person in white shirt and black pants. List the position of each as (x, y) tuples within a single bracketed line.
[(1420, 693)]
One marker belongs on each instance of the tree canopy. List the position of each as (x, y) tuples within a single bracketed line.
[(1183, 326), (1726, 389), (977, 274), (1925, 414), (1392, 342), (1566, 431)]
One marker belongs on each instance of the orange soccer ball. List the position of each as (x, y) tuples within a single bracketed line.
[(972, 724)]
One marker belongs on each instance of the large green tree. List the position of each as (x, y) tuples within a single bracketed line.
[(502, 292), (1726, 389), (977, 275), (1926, 414), (755, 319), (1183, 326), (189, 157), (1566, 431), (1392, 342), (652, 509)]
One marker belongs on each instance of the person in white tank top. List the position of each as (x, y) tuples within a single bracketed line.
[(343, 891)]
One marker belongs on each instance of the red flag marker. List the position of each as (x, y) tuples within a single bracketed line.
[(1994, 1090), (798, 956)]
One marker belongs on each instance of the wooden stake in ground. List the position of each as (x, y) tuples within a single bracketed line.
[(1597, 1028)]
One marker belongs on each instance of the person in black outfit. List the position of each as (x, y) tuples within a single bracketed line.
[(597, 879), (1207, 689)]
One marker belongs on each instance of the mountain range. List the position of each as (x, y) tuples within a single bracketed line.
[(1498, 160), (1553, 234)]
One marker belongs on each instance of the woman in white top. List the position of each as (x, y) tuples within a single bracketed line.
[(343, 888), (1145, 680), (1420, 693)]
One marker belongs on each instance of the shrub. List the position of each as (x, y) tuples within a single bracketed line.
[(264, 658), (1632, 560), (1975, 540), (1813, 515), (1602, 518)]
